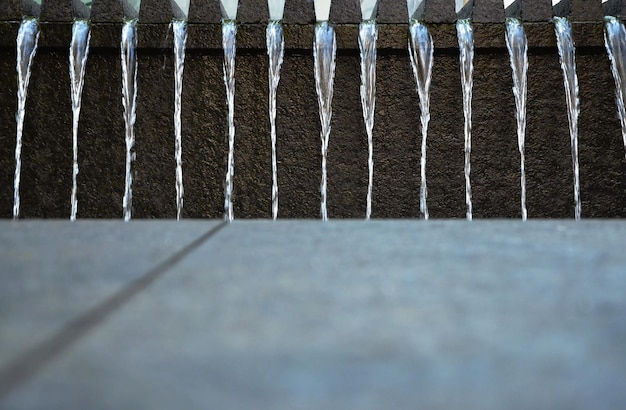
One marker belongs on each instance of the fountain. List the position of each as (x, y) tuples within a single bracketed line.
[(421, 53), (465, 35), (567, 54), (368, 36), (615, 42), (27, 39), (179, 26), (79, 51), (324, 50), (129, 94), (275, 52), (229, 34), (517, 45)]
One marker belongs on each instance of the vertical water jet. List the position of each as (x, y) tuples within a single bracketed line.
[(615, 42), (517, 46), (368, 36), (324, 51), (180, 10), (567, 54), (27, 38), (129, 101), (275, 42), (79, 51), (421, 54), (465, 36)]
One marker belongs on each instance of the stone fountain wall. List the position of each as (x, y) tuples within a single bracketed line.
[(46, 171)]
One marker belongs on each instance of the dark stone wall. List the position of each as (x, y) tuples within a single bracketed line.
[(46, 172)]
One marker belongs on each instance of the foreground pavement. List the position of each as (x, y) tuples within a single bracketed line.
[(312, 315)]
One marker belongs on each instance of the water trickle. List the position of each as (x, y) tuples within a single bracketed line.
[(79, 50), (27, 38), (129, 100), (368, 35), (229, 33), (421, 53), (180, 40), (518, 52), (615, 42), (324, 50), (275, 52), (567, 50), (465, 37)]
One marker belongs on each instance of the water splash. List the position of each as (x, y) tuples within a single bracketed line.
[(465, 37), (229, 33), (615, 42), (79, 51), (368, 35), (275, 52), (421, 53), (567, 51), (180, 40), (27, 38), (518, 52), (324, 50), (129, 100)]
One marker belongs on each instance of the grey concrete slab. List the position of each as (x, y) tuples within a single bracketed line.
[(396, 314), (51, 272)]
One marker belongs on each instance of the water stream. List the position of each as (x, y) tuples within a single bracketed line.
[(229, 33), (275, 52), (129, 100), (615, 41), (465, 37), (27, 38), (368, 35), (180, 40), (324, 50), (421, 53), (518, 52), (79, 51), (567, 51)]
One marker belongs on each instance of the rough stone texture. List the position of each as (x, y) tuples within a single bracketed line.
[(52, 272), (56, 10), (376, 315), (46, 174)]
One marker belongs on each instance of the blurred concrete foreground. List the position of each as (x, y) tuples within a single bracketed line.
[(312, 315)]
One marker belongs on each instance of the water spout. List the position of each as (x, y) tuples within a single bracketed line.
[(229, 33), (129, 101), (518, 52), (465, 37), (567, 52), (275, 52), (421, 54), (27, 38), (180, 40), (615, 41), (79, 51), (368, 35)]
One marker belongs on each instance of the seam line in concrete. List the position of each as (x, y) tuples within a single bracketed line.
[(29, 363)]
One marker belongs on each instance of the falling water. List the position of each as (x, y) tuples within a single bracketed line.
[(615, 41), (518, 51), (229, 33), (275, 52), (129, 98), (368, 35), (79, 50), (27, 38), (466, 48), (566, 47), (324, 50), (180, 40), (421, 53)]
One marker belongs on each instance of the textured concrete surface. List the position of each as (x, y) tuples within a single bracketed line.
[(397, 314), (52, 272), (46, 172)]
